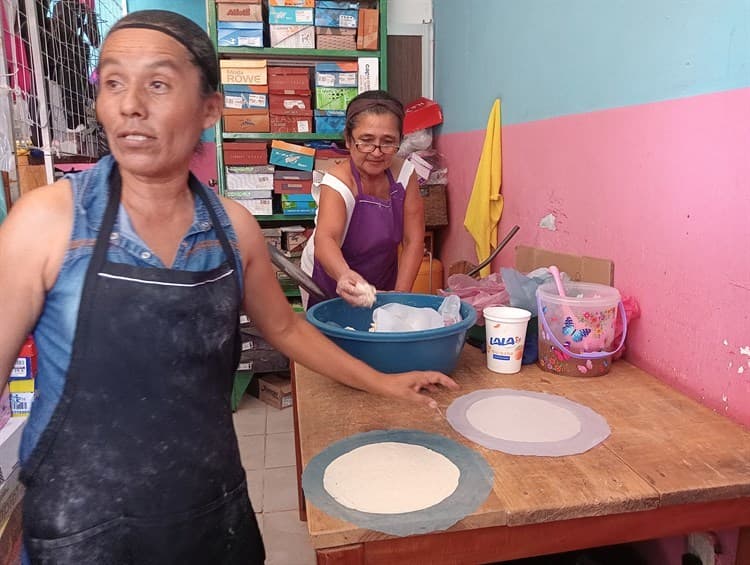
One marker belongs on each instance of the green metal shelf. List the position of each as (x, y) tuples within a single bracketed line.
[(292, 292), (286, 217), (285, 52), (283, 136)]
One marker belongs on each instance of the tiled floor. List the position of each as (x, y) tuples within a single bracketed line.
[(266, 439)]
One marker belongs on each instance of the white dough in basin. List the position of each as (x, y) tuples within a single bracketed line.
[(390, 478)]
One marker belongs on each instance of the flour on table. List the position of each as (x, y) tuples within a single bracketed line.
[(390, 478), (522, 419)]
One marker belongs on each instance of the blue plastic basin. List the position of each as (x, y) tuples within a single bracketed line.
[(394, 352)]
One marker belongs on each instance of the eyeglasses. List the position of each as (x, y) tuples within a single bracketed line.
[(367, 147)]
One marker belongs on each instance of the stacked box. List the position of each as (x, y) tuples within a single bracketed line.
[(245, 83), (272, 236), (252, 187), (243, 11), (246, 96), (294, 238), (334, 98), (291, 23), (275, 391), (336, 24), (22, 380), (240, 34), (367, 30), (368, 74), (292, 156), (336, 74), (245, 153), (298, 204), (292, 182), (291, 113)]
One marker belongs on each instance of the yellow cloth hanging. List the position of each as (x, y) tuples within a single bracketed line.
[(486, 203)]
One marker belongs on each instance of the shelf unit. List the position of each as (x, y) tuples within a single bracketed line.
[(287, 56)]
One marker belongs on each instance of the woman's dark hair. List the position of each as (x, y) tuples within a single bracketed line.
[(184, 30), (373, 102)]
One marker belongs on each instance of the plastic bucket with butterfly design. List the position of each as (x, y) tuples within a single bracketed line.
[(577, 331)]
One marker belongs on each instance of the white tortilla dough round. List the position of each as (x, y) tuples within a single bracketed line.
[(390, 478), (522, 418)]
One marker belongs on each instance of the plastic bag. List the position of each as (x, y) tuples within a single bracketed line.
[(415, 141), (522, 288), (396, 317), (450, 310)]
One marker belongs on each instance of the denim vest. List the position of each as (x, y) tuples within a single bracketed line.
[(200, 250)]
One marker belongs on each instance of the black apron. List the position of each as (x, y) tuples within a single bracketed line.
[(139, 463)]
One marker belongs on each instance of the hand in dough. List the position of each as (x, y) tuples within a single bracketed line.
[(355, 289)]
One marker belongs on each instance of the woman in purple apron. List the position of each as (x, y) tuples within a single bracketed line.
[(367, 208), (133, 278)]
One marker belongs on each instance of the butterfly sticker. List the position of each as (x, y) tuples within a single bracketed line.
[(586, 368), (576, 334)]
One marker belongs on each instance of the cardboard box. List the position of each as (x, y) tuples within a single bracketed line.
[(239, 2), (272, 236), (239, 12), (330, 121), (369, 74), (257, 206), (275, 391), (336, 74), (244, 71), (292, 182), (298, 204), (246, 153), (263, 361), (290, 15), (335, 42), (578, 268), (330, 17), (245, 96), (292, 156), (250, 194), (25, 366), (367, 30), (239, 34), (284, 123), (289, 80), (294, 238), (249, 181), (325, 159), (292, 36), (299, 3), (246, 121), (290, 104), (420, 114), (336, 98)]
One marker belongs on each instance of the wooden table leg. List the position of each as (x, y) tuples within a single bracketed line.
[(344, 555), (297, 452), (743, 547)]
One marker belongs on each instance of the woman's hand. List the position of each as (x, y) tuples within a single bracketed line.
[(411, 386), (355, 290)]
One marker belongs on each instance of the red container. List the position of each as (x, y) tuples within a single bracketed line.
[(245, 153)]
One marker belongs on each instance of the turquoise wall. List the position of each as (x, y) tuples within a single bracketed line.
[(547, 58)]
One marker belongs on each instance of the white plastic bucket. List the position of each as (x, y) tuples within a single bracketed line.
[(577, 331), (505, 329)]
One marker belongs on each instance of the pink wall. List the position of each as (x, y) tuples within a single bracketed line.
[(661, 189), (203, 164)]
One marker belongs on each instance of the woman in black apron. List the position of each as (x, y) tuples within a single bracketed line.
[(139, 461)]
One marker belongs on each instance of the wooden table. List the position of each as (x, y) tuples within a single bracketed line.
[(671, 466)]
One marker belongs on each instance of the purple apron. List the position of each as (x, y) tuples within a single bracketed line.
[(371, 243)]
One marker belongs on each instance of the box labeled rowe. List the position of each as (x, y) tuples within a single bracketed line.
[(243, 71)]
